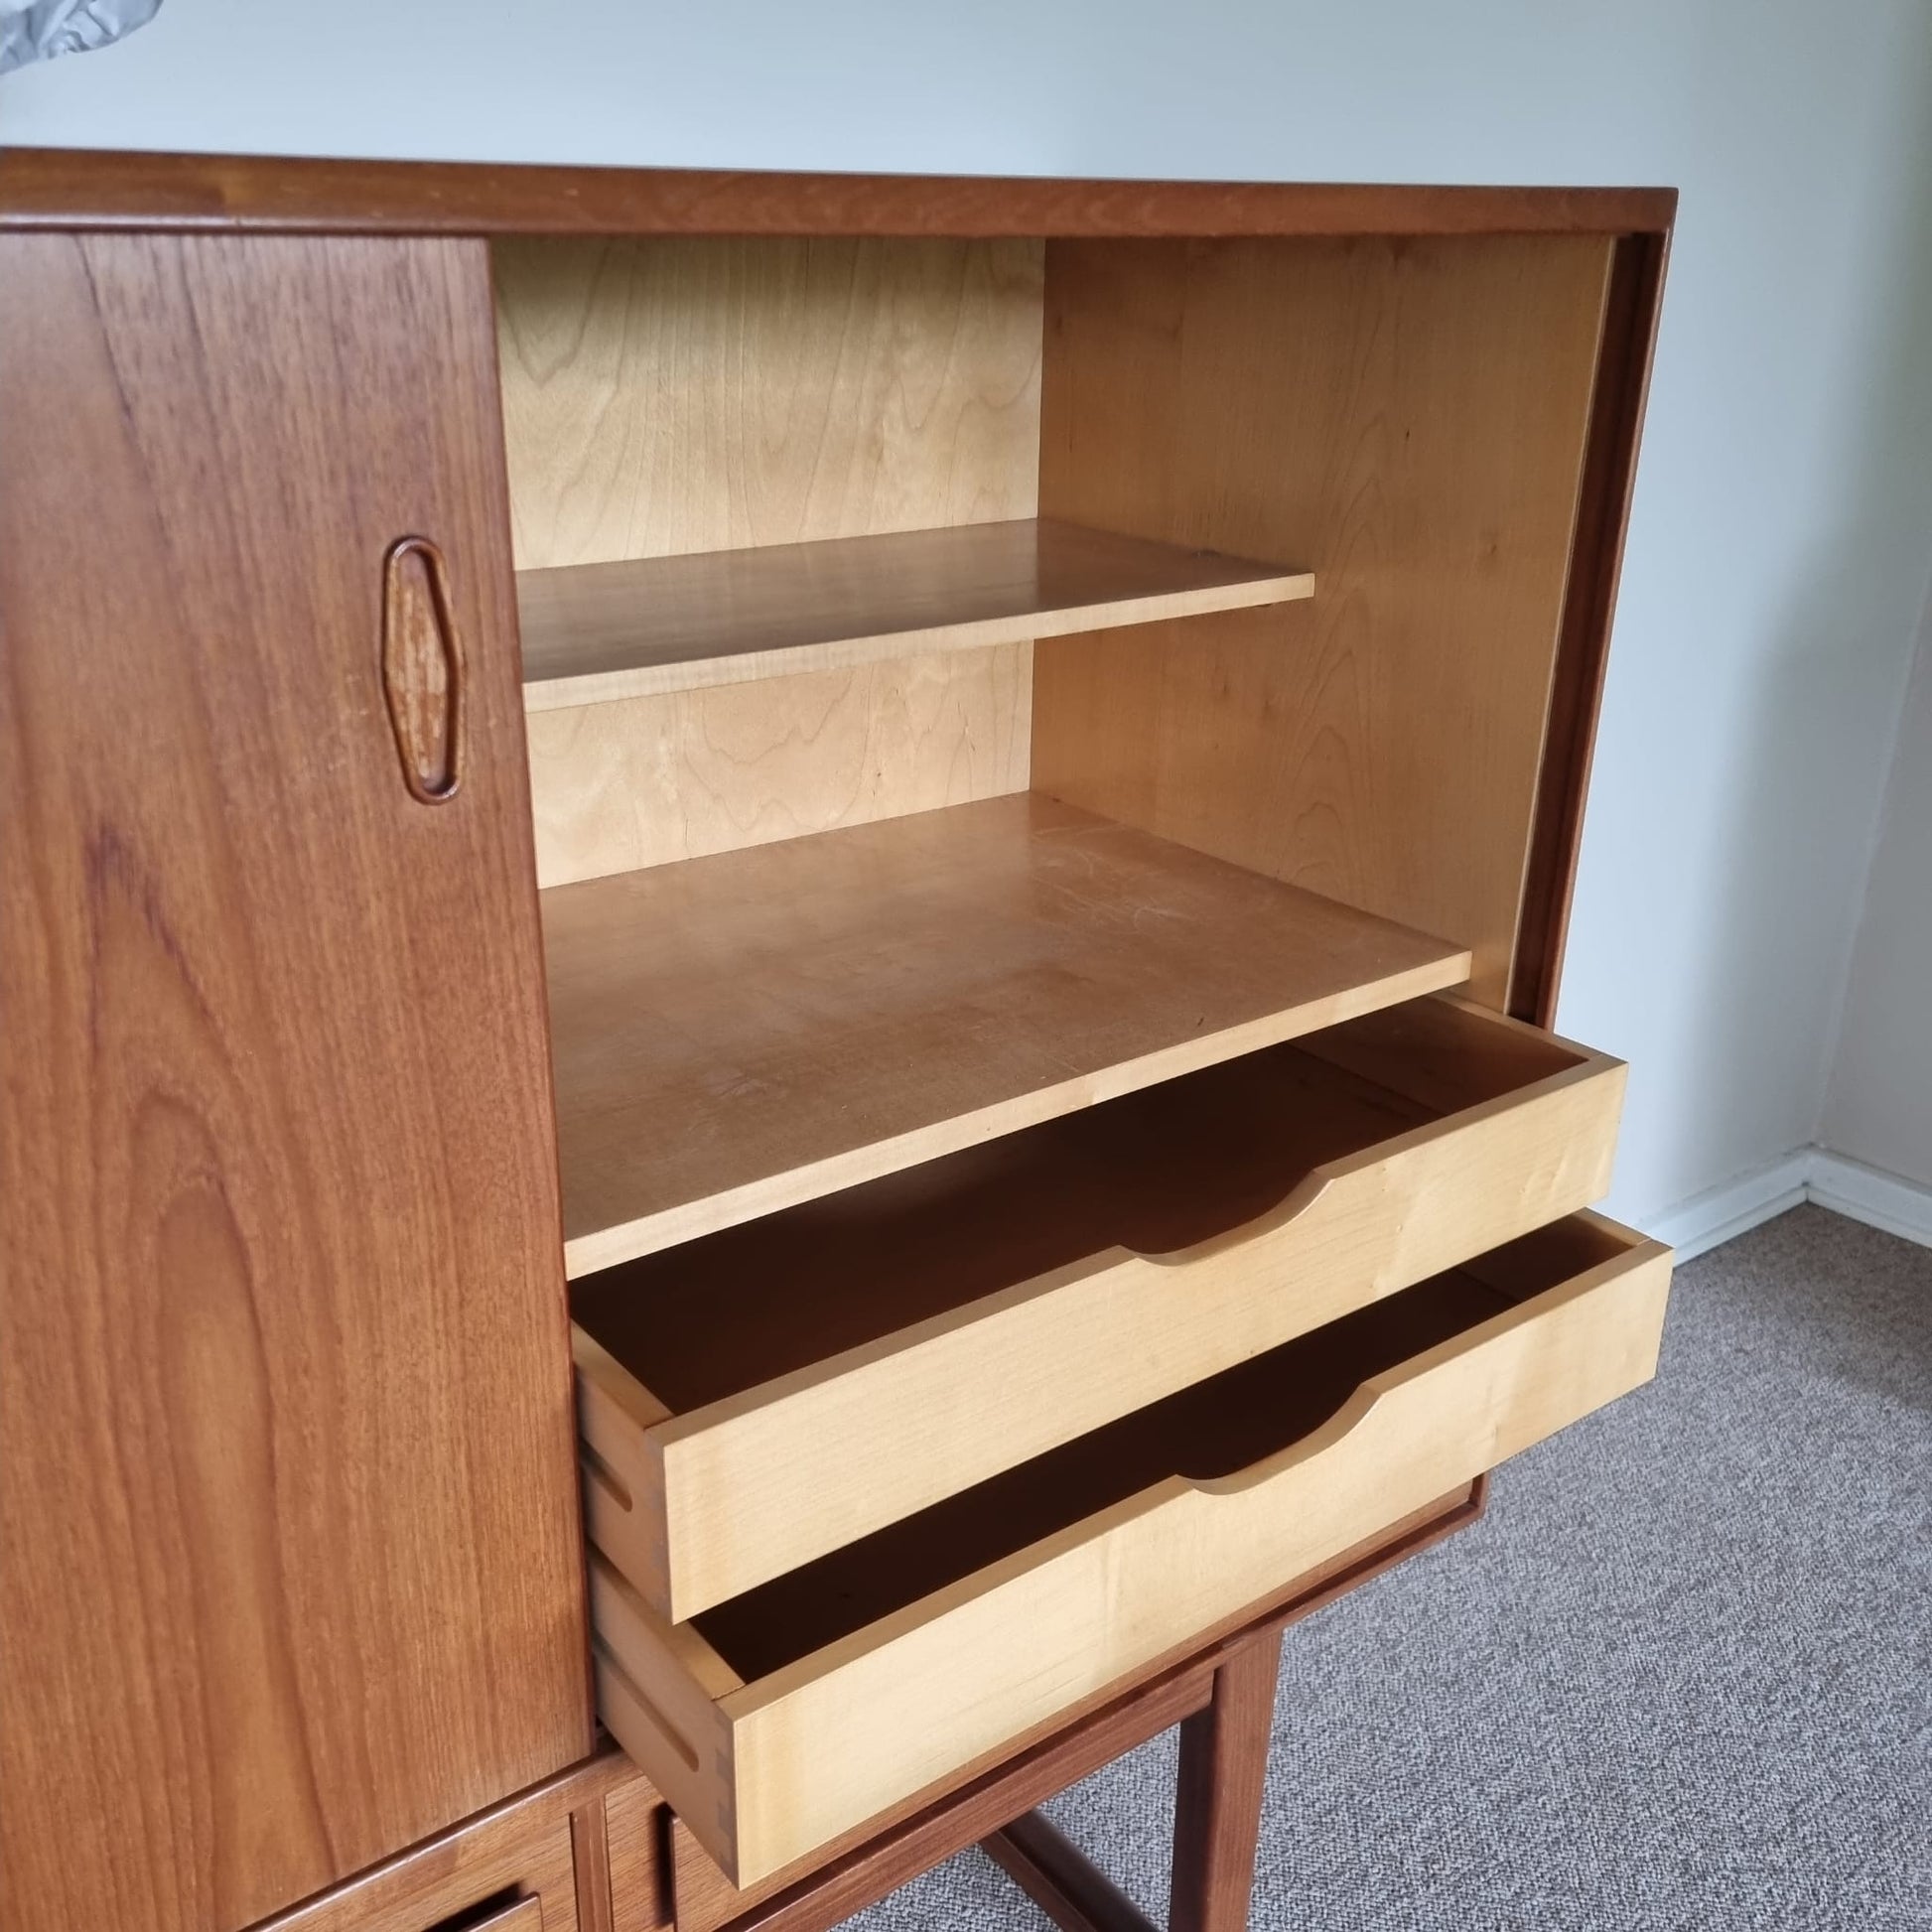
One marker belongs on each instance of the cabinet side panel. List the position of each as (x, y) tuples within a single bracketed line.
[(290, 1574), (1405, 416)]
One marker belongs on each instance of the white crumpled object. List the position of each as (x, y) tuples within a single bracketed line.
[(37, 30)]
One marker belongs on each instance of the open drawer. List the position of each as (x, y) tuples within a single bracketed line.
[(769, 1392), (781, 1720)]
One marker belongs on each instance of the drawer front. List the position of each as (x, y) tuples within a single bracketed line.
[(697, 1508), (523, 1866), (520, 1916), (765, 1770)]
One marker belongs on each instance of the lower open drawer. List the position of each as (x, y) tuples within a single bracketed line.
[(771, 1392), (784, 1717)]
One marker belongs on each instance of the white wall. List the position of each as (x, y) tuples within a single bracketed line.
[(1778, 553), (1878, 1108)]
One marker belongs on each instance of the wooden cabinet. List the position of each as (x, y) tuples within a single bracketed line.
[(999, 930), (1023, 1210), (290, 1569)]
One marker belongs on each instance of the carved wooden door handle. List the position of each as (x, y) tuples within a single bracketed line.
[(421, 668)]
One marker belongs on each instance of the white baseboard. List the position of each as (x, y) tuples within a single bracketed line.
[(1719, 1213), (1808, 1174), (1870, 1194)]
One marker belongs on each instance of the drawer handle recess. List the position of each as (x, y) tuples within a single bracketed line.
[(422, 670)]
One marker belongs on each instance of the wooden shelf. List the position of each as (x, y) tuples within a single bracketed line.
[(740, 1033), (597, 632)]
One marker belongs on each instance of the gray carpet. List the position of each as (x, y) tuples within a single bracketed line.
[(1680, 1676)]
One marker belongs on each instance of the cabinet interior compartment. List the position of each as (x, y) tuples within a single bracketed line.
[(1312, 504)]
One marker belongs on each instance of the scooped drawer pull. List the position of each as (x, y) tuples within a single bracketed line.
[(422, 670)]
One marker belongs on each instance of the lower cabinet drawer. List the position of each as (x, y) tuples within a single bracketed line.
[(523, 1866), (779, 1720), (756, 1397)]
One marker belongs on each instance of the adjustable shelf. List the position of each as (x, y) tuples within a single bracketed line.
[(597, 632), (740, 1033)]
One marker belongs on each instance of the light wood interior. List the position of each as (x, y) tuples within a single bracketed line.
[(1215, 1430), (794, 1712), (917, 767), (598, 631), (1404, 418), (733, 458), (739, 1033), (1024, 742), (1155, 1172), (772, 1392), (664, 397), (647, 781)]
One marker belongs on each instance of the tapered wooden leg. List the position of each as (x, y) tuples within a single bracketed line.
[(1217, 1796)]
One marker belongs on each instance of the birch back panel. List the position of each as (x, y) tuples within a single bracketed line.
[(674, 395)]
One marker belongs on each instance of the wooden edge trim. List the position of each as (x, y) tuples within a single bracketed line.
[(669, 1429), (1584, 635), (1638, 1246), (59, 187), (1590, 1066), (1386, 1389), (1061, 1879), (590, 1853)]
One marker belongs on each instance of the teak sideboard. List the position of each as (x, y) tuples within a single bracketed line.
[(778, 959)]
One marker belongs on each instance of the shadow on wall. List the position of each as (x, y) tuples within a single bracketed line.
[(1792, 854)]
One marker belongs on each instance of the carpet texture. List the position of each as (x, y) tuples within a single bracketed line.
[(1679, 1676)]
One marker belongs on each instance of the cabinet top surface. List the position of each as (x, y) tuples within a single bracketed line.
[(71, 188)]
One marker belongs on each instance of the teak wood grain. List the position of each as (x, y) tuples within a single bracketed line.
[(1218, 1790), (1404, 418), (284, 1424), (596, 632), (778, 1721), (738, 1033), (291, 1552), (518, 1855), (65, 188), (784, 1387), (1631, 308), (637, 1840)]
